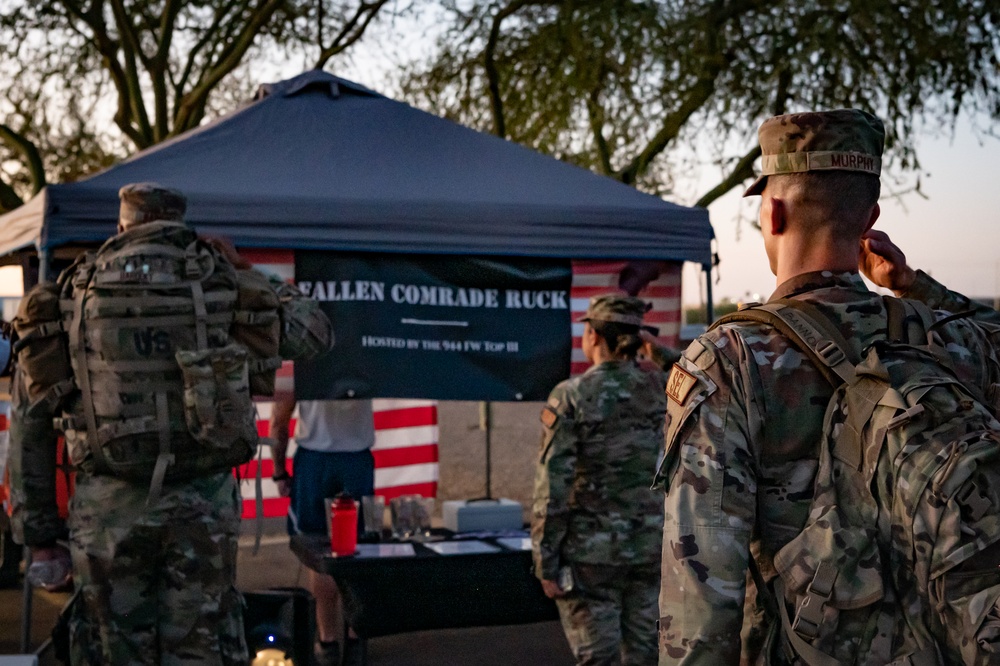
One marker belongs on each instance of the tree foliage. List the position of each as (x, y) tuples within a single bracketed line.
[(623, 86), (152, 68)]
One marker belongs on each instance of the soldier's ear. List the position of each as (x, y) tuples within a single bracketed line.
[(774, 215), (873, 217)]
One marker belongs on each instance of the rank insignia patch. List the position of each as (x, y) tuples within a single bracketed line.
[(548, 417), (679, 384)]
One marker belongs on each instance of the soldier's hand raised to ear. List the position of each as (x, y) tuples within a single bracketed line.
[(884, 263)]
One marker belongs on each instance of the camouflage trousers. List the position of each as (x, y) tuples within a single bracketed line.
[(611, 613), (156, 584)]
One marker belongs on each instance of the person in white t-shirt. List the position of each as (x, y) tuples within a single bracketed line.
[(334, 440)]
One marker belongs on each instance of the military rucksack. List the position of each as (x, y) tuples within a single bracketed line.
[(161, 388), (898, 560), (41, 346)]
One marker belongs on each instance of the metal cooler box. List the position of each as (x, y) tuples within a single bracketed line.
[(477, 515)]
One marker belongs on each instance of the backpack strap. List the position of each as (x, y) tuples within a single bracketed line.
[(895, 319), (44, 330), (78, 350), (907, 321), (809, 330), (927, 657), (809, 654), (813, 333), (165, 458)]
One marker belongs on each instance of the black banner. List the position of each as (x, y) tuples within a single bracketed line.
[(437, 327)]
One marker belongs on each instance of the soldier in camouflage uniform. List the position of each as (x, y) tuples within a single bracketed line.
[(746, 408), (596, 525), (154, 573)]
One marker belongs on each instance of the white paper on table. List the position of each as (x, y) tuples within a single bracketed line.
[(515, 543), (385, 550), (461, 547)]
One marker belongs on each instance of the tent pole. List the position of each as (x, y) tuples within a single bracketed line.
[(709, 310), (486, 425), (44, 265), (26, 605)]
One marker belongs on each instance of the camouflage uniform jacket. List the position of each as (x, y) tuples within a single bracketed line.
[(603, 431), (745, 419), (35, 515)]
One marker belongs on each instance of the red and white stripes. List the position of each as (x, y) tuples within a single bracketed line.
[(593, 278)]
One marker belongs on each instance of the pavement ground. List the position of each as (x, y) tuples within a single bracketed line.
[(541, 644)]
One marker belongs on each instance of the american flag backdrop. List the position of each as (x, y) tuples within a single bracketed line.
[(406, 431), (593, 278)]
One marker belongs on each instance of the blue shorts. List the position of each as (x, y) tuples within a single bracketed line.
[(318, 475)]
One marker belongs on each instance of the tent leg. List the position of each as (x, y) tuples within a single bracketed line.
[(486, 425), (26, 605), (44, 266), (709, 308)]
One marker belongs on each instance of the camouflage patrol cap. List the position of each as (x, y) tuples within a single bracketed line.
[(841, 140), (146, 202), (617, 308)]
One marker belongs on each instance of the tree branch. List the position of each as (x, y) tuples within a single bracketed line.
[(93, 18), (158, 66), (8, 198), (351, 32), (717, 61), (490, 65), (181, 84), (598, 118), (194, 101), (132, 50), (489, 61), (696, 96), (28, 150), (741, 172)]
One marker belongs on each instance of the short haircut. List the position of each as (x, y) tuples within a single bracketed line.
[(845, 197)]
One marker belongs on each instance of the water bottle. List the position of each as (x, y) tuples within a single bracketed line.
[(46, 573), (343, 525)]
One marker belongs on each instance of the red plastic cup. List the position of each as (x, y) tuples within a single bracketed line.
[(343, 525)]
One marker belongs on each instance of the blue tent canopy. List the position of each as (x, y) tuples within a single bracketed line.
[(318, 162)]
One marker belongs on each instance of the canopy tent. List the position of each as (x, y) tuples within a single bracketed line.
[(318, 162)]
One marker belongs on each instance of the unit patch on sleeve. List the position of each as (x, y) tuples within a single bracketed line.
[(680, 383), (548, 417)]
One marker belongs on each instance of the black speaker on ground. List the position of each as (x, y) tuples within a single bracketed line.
[(10, 558), (280, 625)]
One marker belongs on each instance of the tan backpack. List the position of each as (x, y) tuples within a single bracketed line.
[(163, 388), (898, 561), (41, 346)]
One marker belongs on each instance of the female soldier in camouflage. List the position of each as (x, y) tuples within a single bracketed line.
[(595, 524)]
